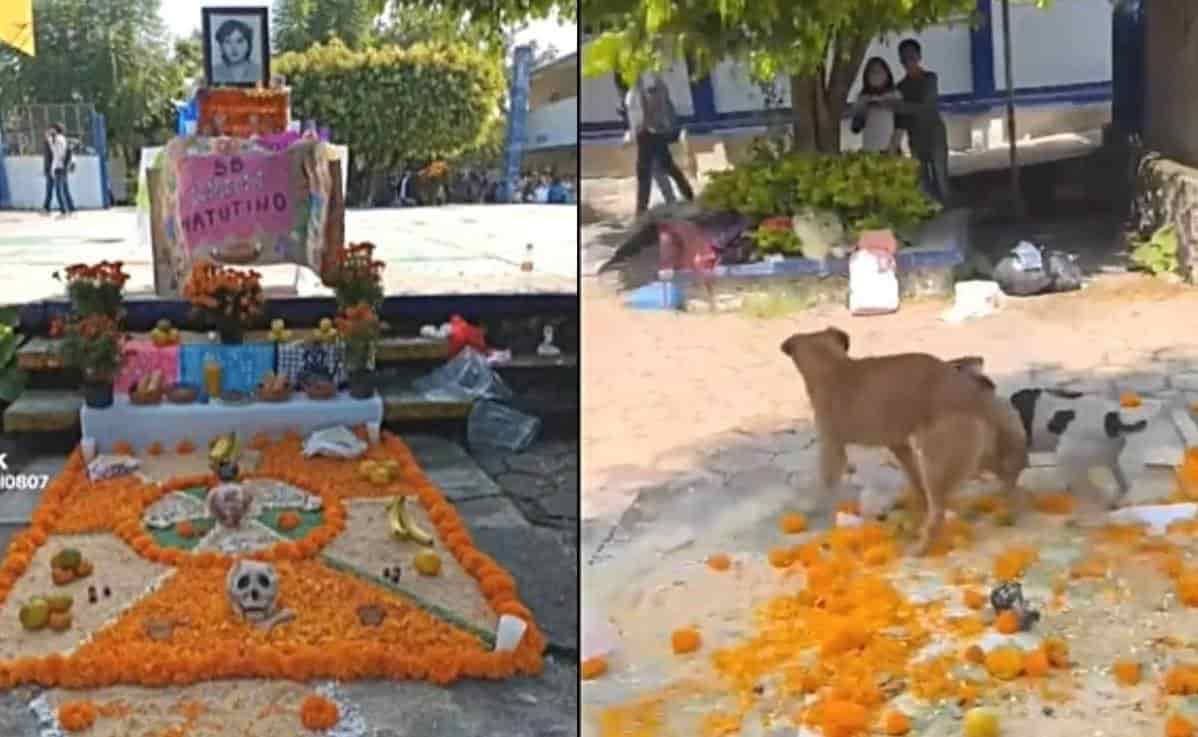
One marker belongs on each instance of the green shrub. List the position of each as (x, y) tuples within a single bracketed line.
[(865, 190), (1158, 254), (389, 104)]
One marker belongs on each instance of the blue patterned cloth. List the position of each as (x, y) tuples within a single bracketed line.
[(242, 366), (300, 360)]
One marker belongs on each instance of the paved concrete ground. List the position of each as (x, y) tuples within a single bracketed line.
[(456, 249), (697, 436), (525, 516)]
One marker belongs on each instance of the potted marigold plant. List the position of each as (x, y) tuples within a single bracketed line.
[(95, 345), (360, 329), (354, 276), (96, 289), (225, 298)]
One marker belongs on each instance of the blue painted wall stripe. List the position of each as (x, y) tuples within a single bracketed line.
[(100, 138), (981, 51), (517, 122), (703, 97), (5, 198)]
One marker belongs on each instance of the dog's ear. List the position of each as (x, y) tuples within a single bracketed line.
[(789, 344), (972, 364), (841, 336)]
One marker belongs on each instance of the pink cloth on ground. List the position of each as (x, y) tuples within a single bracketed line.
[(143, 357), (684, 246)]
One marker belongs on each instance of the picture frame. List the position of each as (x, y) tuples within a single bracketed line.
[(231, 59)]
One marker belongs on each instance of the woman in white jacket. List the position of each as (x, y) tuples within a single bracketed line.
[(873, 114)]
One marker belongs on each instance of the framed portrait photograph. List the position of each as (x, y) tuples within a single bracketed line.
[(236, 47)]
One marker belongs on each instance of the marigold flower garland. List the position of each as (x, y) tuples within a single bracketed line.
[(76, 716)]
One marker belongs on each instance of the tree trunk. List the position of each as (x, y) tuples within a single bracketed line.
[(818, 98)]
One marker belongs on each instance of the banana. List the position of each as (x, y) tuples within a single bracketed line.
[(395, 519), (219, 448), (402, 526), (417, 535)]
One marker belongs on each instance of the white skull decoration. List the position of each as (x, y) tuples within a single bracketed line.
[(253, 589), (228, 503)]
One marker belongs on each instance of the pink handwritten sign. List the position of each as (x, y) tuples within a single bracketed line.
[(222, 199), (143, 358)]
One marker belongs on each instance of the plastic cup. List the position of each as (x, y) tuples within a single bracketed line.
[(509, 633)]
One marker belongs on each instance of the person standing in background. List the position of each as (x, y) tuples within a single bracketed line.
[(872, 120), (48, 168), (59, 165), (919, 115), (654, 122)]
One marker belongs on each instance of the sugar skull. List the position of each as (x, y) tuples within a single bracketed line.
[(228, 503), (253, 589)]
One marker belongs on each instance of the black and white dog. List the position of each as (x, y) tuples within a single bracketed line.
[(1083, 431)]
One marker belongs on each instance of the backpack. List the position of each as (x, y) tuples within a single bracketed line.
[(660, 115)]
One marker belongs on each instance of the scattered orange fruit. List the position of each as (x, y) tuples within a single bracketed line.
[(685, 640), (1035, 664), (1182, 680), (719, 562), (1127, 672), (1007, 622), (793, 524), (593, 668), (974, 654), (1179, 726), (896, 723)]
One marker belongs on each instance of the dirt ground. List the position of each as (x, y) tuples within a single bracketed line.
[(664, 389)]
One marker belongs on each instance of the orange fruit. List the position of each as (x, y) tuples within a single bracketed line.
[(685, 640), (793, 524)]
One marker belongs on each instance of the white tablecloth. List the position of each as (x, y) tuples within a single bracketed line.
[(170, 423)]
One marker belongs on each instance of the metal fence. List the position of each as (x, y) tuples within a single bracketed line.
[(25, 127)]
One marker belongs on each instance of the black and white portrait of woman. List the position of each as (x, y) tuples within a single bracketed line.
[(236, 47)]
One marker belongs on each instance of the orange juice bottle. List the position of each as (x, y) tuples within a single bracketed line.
[(212, 377)]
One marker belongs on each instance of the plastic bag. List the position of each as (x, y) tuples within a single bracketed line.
[(466, 375), (335, 442), (1030, 270), (495, 425), (111, 466), (818, 232), (873, 283)]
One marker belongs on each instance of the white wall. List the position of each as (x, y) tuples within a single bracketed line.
[(27, 182), (1067, 43), (552, 125)]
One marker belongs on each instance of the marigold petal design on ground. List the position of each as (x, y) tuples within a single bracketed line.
[(420, 636)]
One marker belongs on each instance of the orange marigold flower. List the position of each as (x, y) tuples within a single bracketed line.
[(685, 640), (318, 713), (76, 716)]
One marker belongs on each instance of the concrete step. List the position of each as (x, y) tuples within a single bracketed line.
[(41, 354), (44, 410)]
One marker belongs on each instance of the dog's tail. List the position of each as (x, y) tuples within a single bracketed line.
[(1115, 426)]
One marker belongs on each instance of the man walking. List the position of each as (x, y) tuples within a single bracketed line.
[(60, 162), (654, 123), (48, 169)]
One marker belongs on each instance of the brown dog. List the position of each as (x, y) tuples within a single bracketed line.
[(942, 422)]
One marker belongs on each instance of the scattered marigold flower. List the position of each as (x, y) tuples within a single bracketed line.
[(1057, 652), (1130, 400), (719, 562), (1035, 664), (1179, 726), (973, 599), (1053, 503), (896, 723), (685, 640), (1007, 622), (1004, 663), (1127, 672), (593, 668), (781, 557), (793, 524)]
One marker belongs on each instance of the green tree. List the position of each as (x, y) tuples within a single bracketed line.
[(299, 24), (115, 54), (405, 25), (819, 46), (503, 13), (392, 104)]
